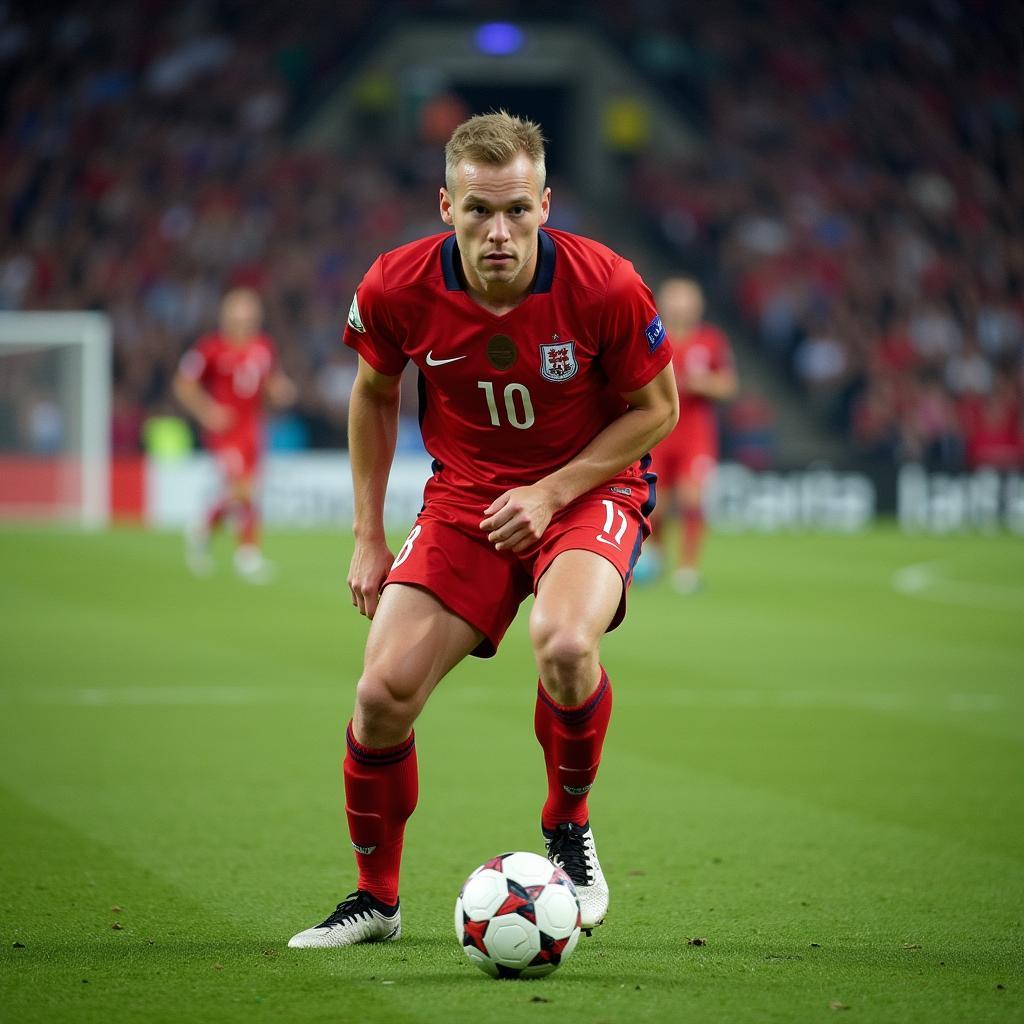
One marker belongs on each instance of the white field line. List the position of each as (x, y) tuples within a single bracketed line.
[(482, 696), (796, 700), (930, 582), (154, 696)]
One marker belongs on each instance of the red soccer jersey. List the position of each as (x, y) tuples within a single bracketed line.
[(234, 375), (705, 349), (506, 400)]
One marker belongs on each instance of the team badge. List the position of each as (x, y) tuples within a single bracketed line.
[(558, 360), (355, 321), (501, 352), (655, 334)]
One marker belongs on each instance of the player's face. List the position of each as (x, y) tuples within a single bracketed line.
[(681, 305), (496, 213), (241, 314)]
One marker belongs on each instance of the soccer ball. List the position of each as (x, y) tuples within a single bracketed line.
[(518, 916)]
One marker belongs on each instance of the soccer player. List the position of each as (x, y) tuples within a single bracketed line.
[(223, 381), (545, 380), (686, 459)]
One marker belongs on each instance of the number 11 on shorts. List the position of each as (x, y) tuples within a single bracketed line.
[(609, 522)]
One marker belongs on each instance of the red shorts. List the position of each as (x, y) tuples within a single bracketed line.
[(237, 455), (448, 554), (686, 456)]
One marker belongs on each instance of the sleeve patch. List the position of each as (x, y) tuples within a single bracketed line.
[(655, 334), (354, 319)]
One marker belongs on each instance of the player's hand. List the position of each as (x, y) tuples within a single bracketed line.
[(281, 391), (217, 418), (518, 518), (371, 562)]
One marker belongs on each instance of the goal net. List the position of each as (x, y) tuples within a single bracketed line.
[(55, 373)]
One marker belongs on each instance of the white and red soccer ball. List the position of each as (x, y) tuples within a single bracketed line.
[(518, 916)]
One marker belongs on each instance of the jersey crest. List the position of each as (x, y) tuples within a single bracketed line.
[(558, 361)]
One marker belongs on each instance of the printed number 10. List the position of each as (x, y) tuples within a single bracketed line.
[(520, 419)]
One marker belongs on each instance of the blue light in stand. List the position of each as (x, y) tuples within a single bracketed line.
[(499, 39)]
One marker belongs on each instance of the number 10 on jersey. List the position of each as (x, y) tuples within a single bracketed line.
[(517, 401)]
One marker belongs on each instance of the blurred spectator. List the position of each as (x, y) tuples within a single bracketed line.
[(861, 190), (857, 187), (749, 431), (127, 418), (993, 428)]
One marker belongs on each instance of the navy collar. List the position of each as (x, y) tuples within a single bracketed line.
[(545, 264)]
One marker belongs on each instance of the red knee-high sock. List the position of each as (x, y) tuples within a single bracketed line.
[(693, 535), (381, 787), (217, 513), (572, 738), (248, 522)]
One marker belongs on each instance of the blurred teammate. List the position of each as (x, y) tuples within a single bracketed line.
[(545, 380), (685, 460), (223, 381)]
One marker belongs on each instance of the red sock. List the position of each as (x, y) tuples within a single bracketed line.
[(572, 738), (248, 522), (217, 513), (381, 787), (693, 534)]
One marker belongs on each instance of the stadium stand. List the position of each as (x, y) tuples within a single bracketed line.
[(859, 193)]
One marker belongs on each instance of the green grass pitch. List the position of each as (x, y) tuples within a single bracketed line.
[(818, 775)]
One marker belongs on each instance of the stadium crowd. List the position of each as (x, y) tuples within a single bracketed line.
[(859, 191), (145, 165), (861, 196)]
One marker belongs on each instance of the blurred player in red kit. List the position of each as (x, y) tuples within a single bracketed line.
[(686, 459), (223, 381), (545, 380)]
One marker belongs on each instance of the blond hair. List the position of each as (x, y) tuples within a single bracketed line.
[(495, 139)]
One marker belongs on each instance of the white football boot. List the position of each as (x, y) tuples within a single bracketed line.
[(571, 847), (648, 565), (357, 918), (251, 566), (687, 581)]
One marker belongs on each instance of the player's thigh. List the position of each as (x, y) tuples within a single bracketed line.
[(240, 487), (577, 598), (414, 642), (453, 562)]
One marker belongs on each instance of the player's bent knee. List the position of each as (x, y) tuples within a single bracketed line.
[(383, 707), (563, 652)]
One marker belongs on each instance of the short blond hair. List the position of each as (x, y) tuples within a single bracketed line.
[(495, 139)]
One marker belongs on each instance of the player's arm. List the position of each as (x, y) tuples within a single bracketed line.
[(197, 401), (520, 516), (280, 389), (372, 435), (718, 385)]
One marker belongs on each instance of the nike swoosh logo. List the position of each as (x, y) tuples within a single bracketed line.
[(431, 361), (603, 541)]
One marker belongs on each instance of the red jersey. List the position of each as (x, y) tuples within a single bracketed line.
[(234, 375), (506, 400), (704, 350)]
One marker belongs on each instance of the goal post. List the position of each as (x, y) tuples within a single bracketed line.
[(55, 406)]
